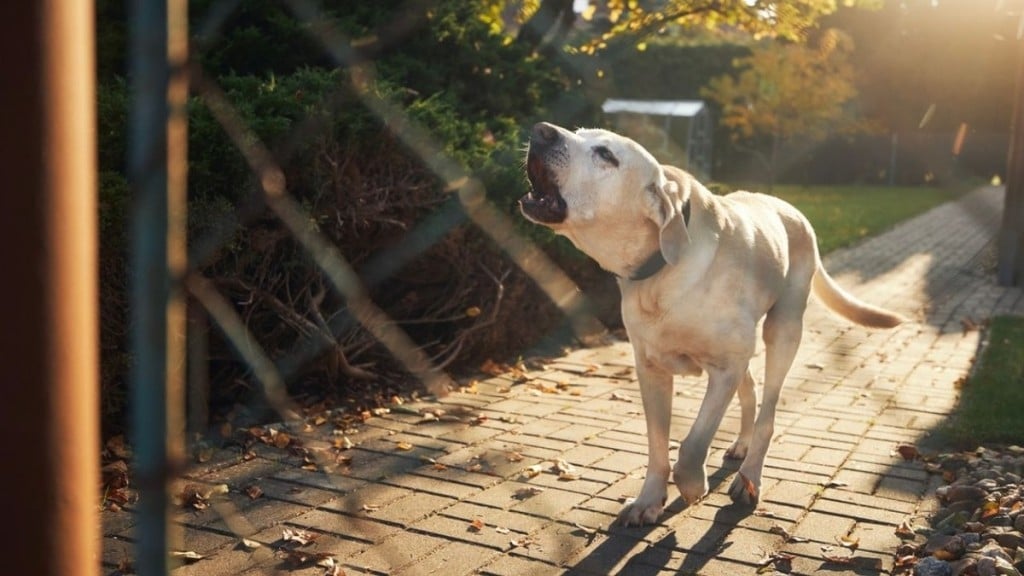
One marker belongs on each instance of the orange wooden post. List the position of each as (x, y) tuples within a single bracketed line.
[(49, 416)]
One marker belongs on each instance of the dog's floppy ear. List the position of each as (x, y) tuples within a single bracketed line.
[(668, 215)]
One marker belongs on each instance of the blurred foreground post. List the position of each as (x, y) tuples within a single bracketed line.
[(157, 167), (49, 418), (1011, 236)]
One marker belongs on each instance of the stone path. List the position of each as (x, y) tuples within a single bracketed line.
[(478, 492)]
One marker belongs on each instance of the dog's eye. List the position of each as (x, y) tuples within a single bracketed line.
[(606, 155)]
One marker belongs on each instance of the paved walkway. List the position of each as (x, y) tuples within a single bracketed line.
[(479, 492)]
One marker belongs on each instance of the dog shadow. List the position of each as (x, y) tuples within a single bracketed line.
[(657, 555)]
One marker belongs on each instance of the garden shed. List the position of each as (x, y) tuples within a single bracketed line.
[(677, 132)]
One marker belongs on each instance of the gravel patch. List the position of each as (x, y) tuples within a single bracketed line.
[(978, 528)]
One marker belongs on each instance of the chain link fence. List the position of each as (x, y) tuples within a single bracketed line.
[(330, 312)]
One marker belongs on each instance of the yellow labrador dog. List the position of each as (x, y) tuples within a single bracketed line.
[(697, 273)]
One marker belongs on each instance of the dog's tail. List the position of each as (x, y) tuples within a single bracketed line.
[(849, 307)]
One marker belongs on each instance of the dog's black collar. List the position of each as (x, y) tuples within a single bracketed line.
[(656, 261)]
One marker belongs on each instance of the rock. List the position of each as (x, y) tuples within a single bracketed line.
[(970, 538), (992, 549), (964, 566), (1005, 568), (965, 493), (1000, 520), (930, 566), (945, 547), (988, 484), (1018, 522), (1011, 540), (986, 566)]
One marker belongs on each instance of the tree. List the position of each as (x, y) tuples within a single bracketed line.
[(784, 90), (605, 21)]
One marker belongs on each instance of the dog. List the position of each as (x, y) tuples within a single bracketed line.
[(697, 273)]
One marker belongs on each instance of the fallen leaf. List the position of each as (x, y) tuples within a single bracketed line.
[(764, 513), (187, 555), (472, 311), (908, 452), (528, 492), (299, 537), (370, 507), (566, 471), (501, 530), (620, 397), (587, 530), (404, 446), (905, 530), (513, 456), (250, 544), (493, 368), (477, 525), (989, 509), (836, 559), (848, 542), (331, 567), (815, 366), (533, 471), (116, 447), (299, 558), (834, 484), (522, 541), (281, 439), (253, 492)]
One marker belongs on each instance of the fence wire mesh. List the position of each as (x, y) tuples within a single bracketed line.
[(341, 304)]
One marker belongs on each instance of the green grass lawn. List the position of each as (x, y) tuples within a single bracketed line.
[(991, 407), (841, 215)]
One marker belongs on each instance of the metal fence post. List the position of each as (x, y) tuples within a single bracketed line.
[(50, 339), (157, 172)]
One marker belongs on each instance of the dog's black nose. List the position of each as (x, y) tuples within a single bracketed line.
[(544, 133)]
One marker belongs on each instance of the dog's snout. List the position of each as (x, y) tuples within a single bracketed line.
[(544, 134)]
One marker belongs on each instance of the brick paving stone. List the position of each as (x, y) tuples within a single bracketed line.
[(549, 503), (505, 565), (821, 527), (858, 512), (825, 456), (494, 518), (791, 493), (867, 500), (393, 554), (454, 559)]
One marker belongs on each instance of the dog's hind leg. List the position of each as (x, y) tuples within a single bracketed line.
[(689, 474), (783, 328), (748, 408)]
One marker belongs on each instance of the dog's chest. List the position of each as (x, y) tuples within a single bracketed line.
[(681, 335)]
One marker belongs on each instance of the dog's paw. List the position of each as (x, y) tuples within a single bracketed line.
[(737, 451), (692, 483), (743, 491), (639, 513)]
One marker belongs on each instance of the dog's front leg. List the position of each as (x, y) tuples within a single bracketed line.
[(656, 391), (690, 474)]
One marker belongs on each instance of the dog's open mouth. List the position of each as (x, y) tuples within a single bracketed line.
[(544, 203)]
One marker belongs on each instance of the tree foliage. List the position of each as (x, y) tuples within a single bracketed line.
[(632, 21), (784, 90)]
